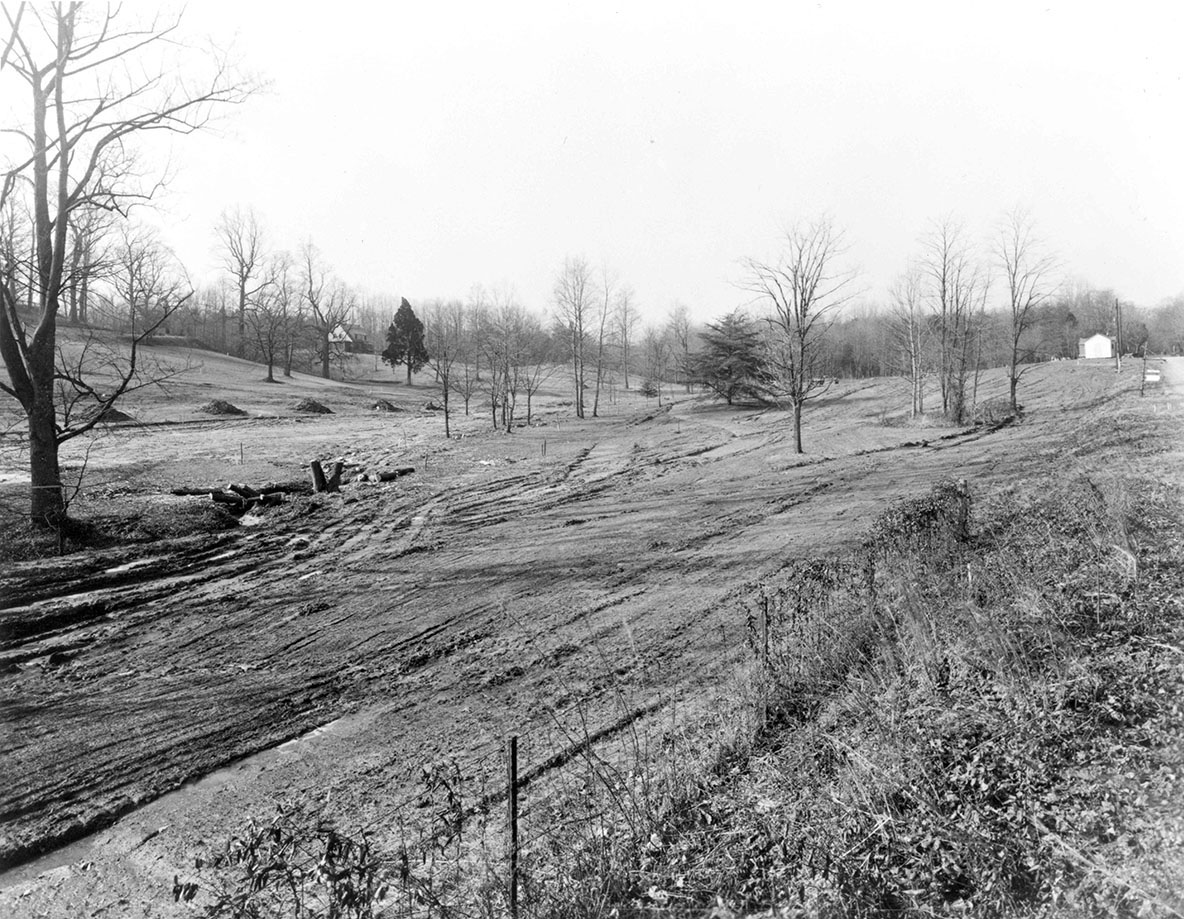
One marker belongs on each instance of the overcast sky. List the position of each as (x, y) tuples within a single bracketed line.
[(429, 147)]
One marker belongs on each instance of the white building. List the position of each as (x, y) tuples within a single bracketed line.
[(1096, 346)]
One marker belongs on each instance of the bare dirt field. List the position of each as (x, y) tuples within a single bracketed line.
[(573, 574)]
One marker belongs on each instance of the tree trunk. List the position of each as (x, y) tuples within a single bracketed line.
[(447, 429), (797, 426), (1013, 378), (75, 261), (325, 345), (408, 369), (240, 347), (47, 500), (84, 295)]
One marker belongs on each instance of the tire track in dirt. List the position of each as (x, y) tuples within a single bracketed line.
[(524, 596)]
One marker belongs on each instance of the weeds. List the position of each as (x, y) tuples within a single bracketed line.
[(973, 715)]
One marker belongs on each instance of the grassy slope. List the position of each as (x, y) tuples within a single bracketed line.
[(992, 726), (863, 800)]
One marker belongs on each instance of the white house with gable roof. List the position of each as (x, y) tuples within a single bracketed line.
[(1096, 346)]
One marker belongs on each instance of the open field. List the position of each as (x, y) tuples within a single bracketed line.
[(572, 574)]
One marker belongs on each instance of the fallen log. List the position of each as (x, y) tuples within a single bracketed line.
[(240, 504), (389, 475), (228, 498), (271, 488)]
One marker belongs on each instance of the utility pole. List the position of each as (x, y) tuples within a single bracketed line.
[(1117, 336)]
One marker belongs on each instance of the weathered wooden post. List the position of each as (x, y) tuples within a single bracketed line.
[(963, 511), (512, 820), (318, 476), (763, 715)]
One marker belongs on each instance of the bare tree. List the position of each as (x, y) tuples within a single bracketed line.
[(146, 280), (146, 287), (801, 289), (273, 313), (969, 291), (656, 342), (93, 88), (88, 228), (327, 303), (443, 335), (609, 289), (466, 377), (626, 328), (957, 286), (502, 337), (240, 248), (679, 324), (538, 360), (574, 296), (911, 332), (1028, 274)]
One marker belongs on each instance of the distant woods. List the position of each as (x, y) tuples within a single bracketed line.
[(86, 84)]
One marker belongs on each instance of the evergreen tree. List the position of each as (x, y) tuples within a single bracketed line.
[(731, 362), (404, 341)]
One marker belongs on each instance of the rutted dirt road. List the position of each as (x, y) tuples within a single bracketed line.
[(501, 592)]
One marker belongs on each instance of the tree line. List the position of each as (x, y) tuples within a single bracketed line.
[(956, 309), (72, 252)]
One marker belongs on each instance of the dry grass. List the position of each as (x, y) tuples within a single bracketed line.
[(961, 720)]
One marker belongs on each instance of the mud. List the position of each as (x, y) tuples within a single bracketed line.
[(513, 583)]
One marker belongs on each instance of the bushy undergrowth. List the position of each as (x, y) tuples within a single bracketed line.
[(957, 722), (976, 714)]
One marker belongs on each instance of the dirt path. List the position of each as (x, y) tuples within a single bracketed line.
[(505, 592)]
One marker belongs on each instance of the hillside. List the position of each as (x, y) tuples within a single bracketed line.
[(568, 581)]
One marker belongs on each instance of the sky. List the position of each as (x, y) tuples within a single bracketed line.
[(426, 148)]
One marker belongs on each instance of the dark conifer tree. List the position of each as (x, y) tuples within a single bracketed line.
[(404, 341), (731, 362)]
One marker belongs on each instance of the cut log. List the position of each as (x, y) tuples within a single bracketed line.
[(235, 502), (271, 488), (389, 475), (286, 488), (321, 482)]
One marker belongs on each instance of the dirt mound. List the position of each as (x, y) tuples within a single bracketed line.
[(113, 415), (383, 405), (432, 406), (221, 407), (312, 407)]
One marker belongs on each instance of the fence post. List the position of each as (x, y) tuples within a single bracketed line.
[(764, 627), (963, 510), (512, 819)]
